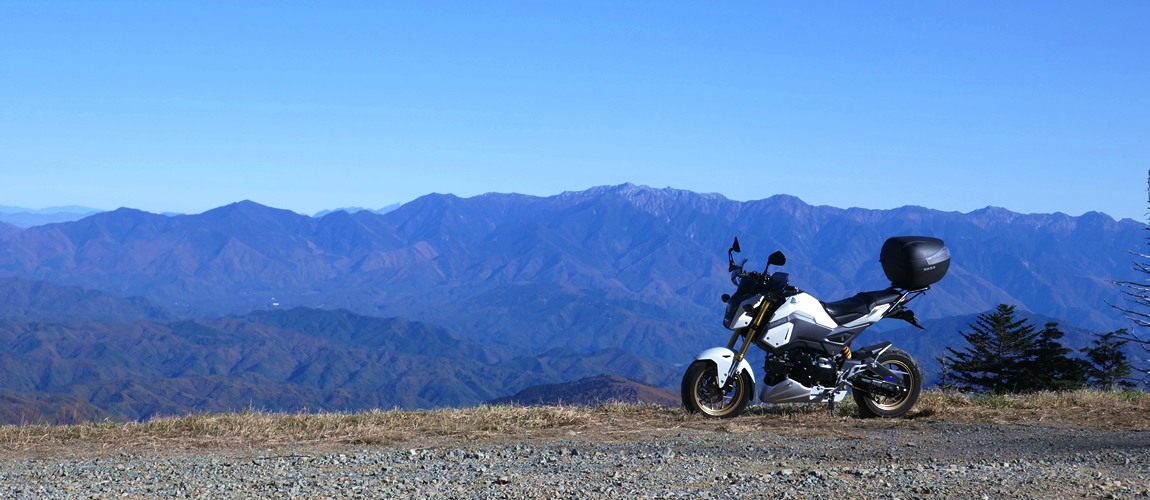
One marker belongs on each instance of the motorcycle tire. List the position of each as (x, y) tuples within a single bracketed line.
[(873, 405), (701, 392)]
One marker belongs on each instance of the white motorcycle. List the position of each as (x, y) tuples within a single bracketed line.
[(808, 342)]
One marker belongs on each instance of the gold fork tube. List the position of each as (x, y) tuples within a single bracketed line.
[(746, 344), (750, 331), (762, 316), (735, 338)]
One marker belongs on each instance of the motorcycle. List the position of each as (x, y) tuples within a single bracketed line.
[(809, 358)]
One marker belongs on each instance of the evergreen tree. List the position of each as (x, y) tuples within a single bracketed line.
[(999, 345), (1108, 364), (1047, 365)]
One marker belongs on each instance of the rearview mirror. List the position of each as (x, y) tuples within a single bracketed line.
[(777, 259), (735, 246)]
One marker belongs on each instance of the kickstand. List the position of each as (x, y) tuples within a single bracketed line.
[(832, 406)]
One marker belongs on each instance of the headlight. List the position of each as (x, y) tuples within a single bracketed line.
[(735, 278)]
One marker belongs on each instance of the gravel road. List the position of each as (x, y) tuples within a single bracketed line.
[(923, 460)]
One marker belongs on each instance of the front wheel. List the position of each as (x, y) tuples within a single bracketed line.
[(702, 394), (909, 376)]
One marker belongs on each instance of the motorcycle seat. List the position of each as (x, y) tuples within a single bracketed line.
[(850, 309)]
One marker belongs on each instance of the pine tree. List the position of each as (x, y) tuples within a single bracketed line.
[(1047, 365), (1108, 364), (999, 346)]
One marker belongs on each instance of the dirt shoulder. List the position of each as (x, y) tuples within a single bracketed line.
[(1101, 411)]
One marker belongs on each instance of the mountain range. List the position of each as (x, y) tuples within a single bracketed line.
[(620, 279), (625, 266)]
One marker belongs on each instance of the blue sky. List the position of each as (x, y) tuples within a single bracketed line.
[(184, 106)]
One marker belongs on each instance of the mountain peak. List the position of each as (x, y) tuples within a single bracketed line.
[(246, 207), (994, 212), (629, 190)]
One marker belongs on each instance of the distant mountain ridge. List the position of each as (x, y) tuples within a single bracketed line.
[(352, 210), (25, 300), (70, 209), (26, 220), (626, 267), (295, 360)]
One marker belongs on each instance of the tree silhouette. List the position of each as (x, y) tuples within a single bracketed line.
[(1047, 365), (1007, 355), (999, 344), (1108, 364)]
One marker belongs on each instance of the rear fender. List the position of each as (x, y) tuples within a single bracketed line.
[(881, 371), (723, 358), (870, 356)]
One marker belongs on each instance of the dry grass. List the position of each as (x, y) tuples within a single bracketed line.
[(1119, 409), (272, 430), (608, 422)]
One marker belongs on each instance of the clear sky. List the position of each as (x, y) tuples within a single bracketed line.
[(184, 106)]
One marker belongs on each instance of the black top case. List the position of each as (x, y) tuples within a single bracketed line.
[(914, 262)]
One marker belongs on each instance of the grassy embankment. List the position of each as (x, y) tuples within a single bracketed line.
[(609, 422)]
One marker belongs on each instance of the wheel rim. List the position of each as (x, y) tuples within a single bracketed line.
[(711, 399), (888, 403)]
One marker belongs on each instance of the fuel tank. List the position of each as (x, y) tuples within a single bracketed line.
[(801, 316)]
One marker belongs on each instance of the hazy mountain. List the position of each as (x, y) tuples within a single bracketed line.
[(25, 300), (393, 334), (72, 209), (321, 360), (627, 266), (27, 217), (592, 391), (24, 219), (352, 210)]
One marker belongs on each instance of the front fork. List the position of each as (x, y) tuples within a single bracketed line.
[(748, 333)]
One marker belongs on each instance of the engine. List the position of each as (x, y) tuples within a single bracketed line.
[(803, 365)]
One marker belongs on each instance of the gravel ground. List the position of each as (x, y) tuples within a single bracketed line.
[(928, 460)]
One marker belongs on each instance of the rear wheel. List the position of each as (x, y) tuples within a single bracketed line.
[(702, 394), (907, 374)]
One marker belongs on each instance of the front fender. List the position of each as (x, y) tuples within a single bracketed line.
[(723, 357)]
